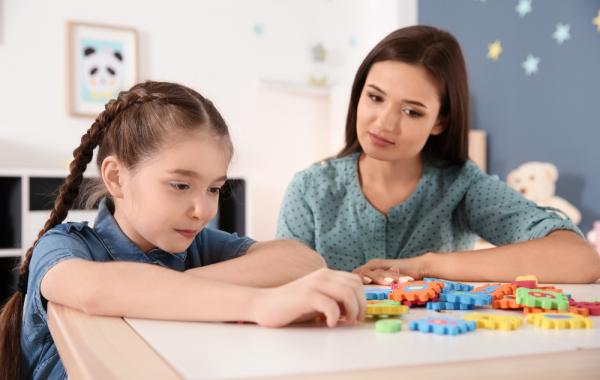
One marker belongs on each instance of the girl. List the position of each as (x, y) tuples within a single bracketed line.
[(163, 156), (402, 198)]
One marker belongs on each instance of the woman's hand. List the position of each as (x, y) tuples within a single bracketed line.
[(335, 294), (385, 272)]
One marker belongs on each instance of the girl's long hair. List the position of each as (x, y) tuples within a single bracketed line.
[(131, 127)]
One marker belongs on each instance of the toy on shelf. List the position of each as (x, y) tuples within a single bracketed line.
[(559, 321), (536, 181), (594, 236), (494, 321), (545, 299), (442, 325)]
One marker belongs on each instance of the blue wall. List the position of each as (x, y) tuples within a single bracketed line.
[(552, 115)]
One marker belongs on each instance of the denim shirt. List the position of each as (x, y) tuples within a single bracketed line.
[(104, 242)]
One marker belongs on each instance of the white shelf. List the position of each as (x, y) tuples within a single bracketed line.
[(31, 221), (296, 87), (11, 252)]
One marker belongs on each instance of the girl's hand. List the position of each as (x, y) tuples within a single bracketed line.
[(332, 293), (386, 272)]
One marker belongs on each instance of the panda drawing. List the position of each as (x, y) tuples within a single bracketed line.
[(103, 71)]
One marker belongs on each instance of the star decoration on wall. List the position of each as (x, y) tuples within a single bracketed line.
[(523, 8), (562, 33), (531, 64), (596, 21), (258, 29), (353, 41), (494, 50)]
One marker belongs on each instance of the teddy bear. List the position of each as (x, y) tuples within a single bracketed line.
[(536, 181)]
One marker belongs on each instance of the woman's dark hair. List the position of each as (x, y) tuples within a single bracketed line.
[(440, 54), (132, 127)]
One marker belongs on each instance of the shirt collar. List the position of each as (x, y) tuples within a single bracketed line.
[(121, 248)]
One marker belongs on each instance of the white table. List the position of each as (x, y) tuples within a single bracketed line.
[(230, 350)]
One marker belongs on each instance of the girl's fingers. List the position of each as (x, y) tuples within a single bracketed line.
[(328, 306), (347, 294)]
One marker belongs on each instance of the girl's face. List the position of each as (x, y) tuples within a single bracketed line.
[(171, 196), (397, 111)]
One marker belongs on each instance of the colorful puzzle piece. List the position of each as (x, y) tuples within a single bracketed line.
[(572, 309), (469, 298), (559, 321), (416, 291), (528, 281), (442, 325), (545, 299), (388, 325), (593, 307), (437, 306), (527, 277), (377, 293), (494, 321), (507, 302), (497, 291), (450, 285), (385, 307)]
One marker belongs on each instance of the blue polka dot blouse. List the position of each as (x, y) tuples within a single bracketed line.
[(324, 207)]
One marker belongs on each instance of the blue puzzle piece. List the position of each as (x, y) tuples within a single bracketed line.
[(451, 285), (488, 289), (377, 294), (442, 325), (437, 306), (477, 299)]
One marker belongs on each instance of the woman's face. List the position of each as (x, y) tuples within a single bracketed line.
[(397, 111)]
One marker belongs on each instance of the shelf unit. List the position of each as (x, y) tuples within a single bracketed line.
[(26, 199)]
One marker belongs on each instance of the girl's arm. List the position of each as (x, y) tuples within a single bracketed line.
[(265, 264), (560, 257), (148, 291)]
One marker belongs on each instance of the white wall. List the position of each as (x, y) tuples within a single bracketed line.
[(212, 47)]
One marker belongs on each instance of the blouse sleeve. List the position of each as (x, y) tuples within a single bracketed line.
[(501, 215), (55, 246), (215, 246), (296, 219)]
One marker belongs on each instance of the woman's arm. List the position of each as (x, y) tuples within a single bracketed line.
[(148, 291), (265, 264), (560, 257)]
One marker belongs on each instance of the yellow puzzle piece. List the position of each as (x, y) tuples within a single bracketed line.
[(495, 321), (385, 307), (559, 321)]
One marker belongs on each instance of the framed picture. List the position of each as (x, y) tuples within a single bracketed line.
[(102, 60)]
